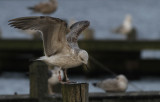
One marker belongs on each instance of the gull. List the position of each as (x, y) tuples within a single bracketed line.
[(54, 78), (117, 84), (46, 7), (127, 28), (60, 50)]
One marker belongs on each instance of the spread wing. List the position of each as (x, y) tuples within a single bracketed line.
[(53, 31), (75, 31)]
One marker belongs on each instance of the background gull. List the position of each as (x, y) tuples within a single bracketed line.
[(127, 28), (54, 78), (46, 7), (60, 50), (119, 83)]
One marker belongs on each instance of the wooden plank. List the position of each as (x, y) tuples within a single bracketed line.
[(116, 55), (38, 80), (77, 92), (125, 97), (17, 98), (145, 96)]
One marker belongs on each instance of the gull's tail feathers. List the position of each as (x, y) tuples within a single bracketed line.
[(37, 59), (40, 58)]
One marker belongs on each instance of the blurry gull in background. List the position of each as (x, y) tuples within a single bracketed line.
[(54, 79), (88, 33), (127, 28), (46, 7), (60, 50), (117, 84)]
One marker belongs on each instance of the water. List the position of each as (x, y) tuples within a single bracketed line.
[(104, 15), (18, 82)]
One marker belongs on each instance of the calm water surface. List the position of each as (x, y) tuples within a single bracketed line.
[(104, 15)]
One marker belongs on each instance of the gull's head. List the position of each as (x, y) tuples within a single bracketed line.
[(128, 18), (122, 78), (78, 27), (83, 57)]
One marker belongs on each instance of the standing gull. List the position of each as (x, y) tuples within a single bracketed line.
[(120, 83), (53, 79), (127, 28), (46, 7), (60, 50)]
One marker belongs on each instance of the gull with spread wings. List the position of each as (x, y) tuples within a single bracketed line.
[(60, 50)]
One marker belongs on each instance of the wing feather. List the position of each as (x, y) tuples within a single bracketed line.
[(53, 31), (75, 31)]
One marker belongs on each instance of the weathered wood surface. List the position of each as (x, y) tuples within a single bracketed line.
[(17, 98), (38, 80), (77, 92), (125, 97), (148, 96)]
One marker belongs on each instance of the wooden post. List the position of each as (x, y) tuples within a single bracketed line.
[(38, 80), (77, 92)]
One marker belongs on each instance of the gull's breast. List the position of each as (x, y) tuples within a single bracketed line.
[(64, 61)]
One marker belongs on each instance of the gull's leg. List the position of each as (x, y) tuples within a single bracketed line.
[(59, 76), (66, 77)]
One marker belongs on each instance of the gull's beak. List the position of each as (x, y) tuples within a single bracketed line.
[(85, 66)]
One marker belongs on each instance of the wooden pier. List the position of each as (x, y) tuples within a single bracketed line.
[(120, 56), (93, 97)]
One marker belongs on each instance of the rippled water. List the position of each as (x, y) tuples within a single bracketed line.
[(18, 82)]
